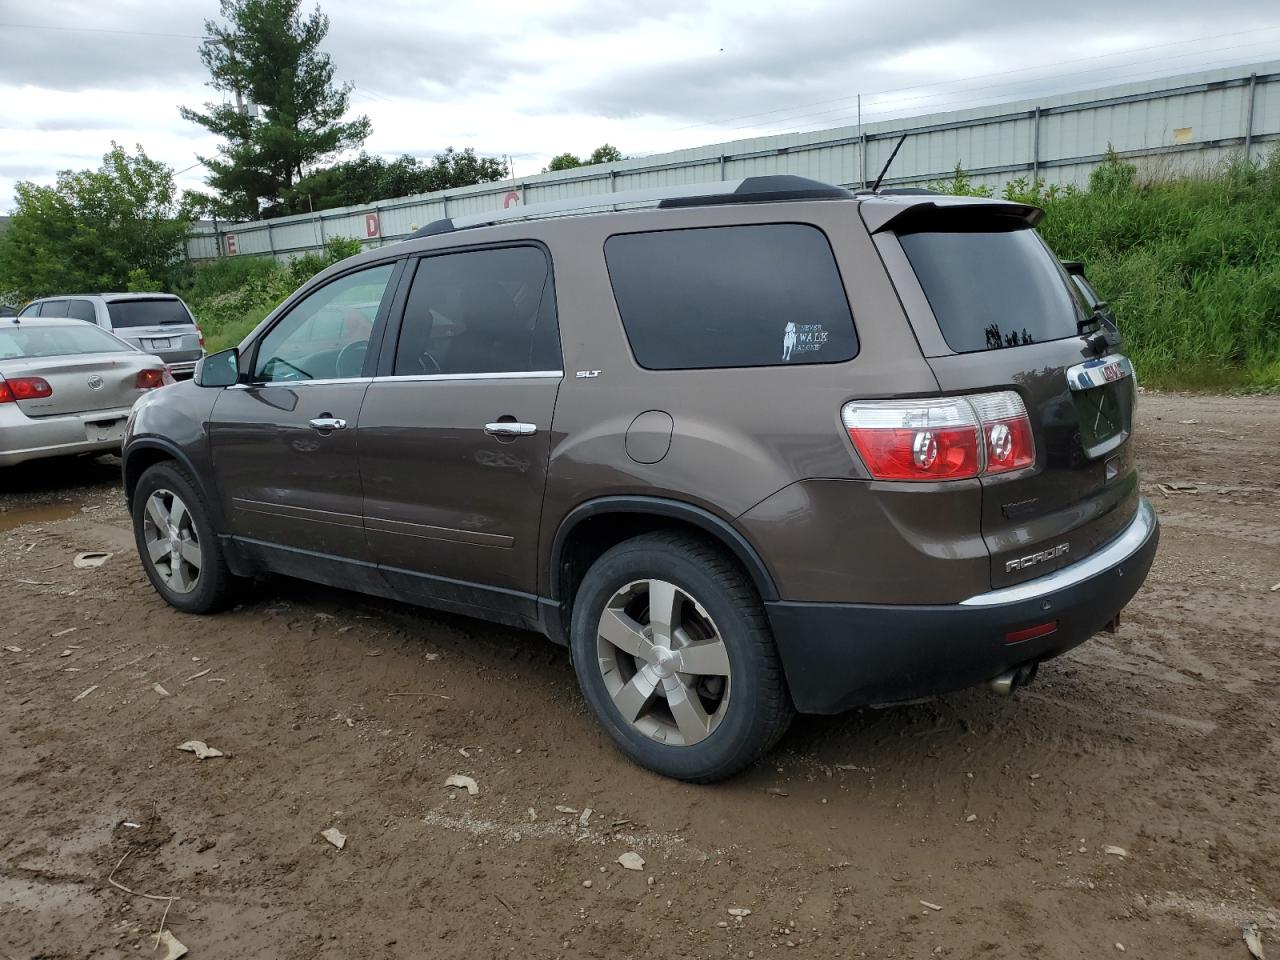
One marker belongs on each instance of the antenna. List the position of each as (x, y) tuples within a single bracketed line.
[(896, 147)]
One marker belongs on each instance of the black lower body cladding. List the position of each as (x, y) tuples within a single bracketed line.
[(840, 656)]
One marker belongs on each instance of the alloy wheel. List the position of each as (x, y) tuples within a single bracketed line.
[(173, 545), (664, 662)]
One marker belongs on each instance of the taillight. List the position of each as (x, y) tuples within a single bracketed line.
[(944, 438), (1006, 431), (150, 379), (24, 388), (201, 335)]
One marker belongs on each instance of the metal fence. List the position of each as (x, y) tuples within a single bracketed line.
[(1173, 124)]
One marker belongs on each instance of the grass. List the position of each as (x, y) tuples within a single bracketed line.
[(1190, 264)]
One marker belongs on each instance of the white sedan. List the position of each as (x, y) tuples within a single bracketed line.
[(67, 387)]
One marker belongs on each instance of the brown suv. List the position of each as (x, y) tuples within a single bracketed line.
[(745, 448)]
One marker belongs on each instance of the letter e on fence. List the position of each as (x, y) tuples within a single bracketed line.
[(233, 245)]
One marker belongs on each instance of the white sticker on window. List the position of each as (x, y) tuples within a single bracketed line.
[(802, 338)]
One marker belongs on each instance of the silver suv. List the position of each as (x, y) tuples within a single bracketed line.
[(156, 323)]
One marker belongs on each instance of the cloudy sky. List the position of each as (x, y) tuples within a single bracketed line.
[(530, 80)]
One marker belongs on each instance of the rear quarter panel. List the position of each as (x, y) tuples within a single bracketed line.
[(739, 435)]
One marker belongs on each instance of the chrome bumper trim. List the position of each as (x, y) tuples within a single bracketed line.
[(1117, 551)]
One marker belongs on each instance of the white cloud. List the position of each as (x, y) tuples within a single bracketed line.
[(535, 80)]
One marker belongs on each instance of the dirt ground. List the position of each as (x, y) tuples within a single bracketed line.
[(334, 710)]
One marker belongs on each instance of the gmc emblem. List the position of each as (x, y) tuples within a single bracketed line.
[(1031, 559)]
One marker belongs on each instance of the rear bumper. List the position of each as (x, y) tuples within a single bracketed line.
[(24, 438), (839, 656)]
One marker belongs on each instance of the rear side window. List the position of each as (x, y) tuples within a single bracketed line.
[(147, 313), (750, 296), (993, 290), (81, 310), (53, 308)]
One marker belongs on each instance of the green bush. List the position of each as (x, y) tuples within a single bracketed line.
[(1190, 264)]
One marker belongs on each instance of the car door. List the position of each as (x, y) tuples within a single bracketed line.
[(455, 432), (283, 440)]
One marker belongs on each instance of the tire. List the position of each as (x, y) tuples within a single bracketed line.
[(202, 583), (719, 624)]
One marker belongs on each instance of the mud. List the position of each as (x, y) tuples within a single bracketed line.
[(337, 710)]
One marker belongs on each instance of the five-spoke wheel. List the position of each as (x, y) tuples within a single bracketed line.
[(664, 662), (173, 544), (674, 655)]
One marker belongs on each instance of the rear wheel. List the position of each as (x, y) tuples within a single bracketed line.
[(675, 657), (177, 543)]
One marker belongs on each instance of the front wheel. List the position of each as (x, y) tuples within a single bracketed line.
[(176, 541), (674, 656)]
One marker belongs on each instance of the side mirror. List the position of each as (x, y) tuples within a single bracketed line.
[(219, 369)]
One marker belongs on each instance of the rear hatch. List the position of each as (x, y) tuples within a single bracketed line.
[(994, 310), (159, 325)]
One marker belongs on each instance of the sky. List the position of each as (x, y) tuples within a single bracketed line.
[(531, 80)]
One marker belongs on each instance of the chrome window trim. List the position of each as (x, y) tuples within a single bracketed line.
[(1116, 552), (332, 381), (514, 375), (408, 378)]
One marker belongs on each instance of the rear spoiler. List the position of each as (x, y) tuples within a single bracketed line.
[(948, 213)]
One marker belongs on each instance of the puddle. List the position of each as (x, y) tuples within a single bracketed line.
[(40, 513)]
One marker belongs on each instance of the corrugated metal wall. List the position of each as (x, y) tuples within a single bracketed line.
[(1185, 123)]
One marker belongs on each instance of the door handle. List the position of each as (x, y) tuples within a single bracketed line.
[(324, 424), (509, 428)]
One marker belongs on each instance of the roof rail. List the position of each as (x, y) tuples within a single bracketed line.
[(747, 190)]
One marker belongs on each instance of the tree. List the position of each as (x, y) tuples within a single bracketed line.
[(605, 153), (366, 179), (565, 161), (95, 230), (269, 56)]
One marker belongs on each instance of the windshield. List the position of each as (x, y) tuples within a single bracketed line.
[(993, 290), (26, 341), (147, 313)]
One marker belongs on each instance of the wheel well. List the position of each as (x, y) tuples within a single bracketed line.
[(592, 536), (138, 463)]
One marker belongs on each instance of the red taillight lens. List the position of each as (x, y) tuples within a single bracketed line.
[(933, 439), (24, 388), (946, 438), (150, 379), (201, 333)]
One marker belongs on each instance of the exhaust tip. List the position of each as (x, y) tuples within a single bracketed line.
[(1010, 680), (1004, 684)]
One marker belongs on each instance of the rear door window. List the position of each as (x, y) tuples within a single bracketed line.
[(482, 311), (147, 313), (81, 310), (53, 308), (990, 290), (741, 296)]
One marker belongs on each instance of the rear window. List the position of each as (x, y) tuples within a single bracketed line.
[(147, 313), (749, 296), (993, 290), (24, 341)]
